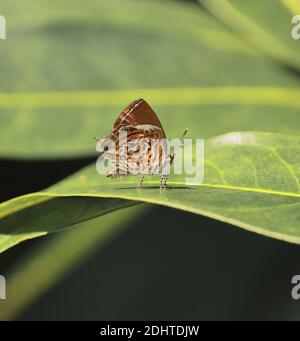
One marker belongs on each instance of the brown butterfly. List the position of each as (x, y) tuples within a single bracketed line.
[(141, 125)]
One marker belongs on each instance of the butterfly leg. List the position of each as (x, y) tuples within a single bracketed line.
[(163, 181), (141, 181)]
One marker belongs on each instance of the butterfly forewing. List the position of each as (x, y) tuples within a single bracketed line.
[(138, 113)]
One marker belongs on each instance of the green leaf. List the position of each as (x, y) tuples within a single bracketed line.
[(206, 111), (35, 215), (265, 24), (67, 73), (251, 180)]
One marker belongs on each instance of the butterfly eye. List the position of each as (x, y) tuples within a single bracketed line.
[(105, 148)]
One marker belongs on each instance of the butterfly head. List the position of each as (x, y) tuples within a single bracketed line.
[(104, 145)]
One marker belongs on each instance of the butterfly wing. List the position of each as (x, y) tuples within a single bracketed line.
[(141, 124), (138, 113)]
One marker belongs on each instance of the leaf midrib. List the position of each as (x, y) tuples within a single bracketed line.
[(264, 95), (224, 187), (48, 195)]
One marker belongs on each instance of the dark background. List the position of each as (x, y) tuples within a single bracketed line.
[(209, 270)]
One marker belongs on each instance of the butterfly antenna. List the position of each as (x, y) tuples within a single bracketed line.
[(183, 135), (96, 138), (172, 156)]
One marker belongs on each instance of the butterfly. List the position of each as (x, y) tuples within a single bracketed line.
[(143, 150)]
